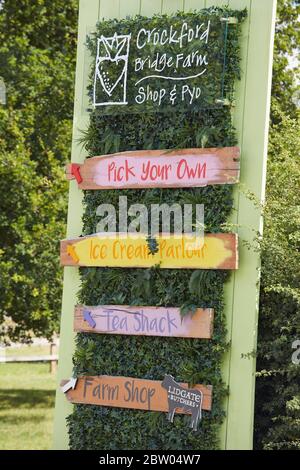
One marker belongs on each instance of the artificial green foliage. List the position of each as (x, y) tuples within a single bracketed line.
[(193, 361), (153, 245)]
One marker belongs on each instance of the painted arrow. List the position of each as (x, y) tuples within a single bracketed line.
[(70, 384), (75, 171), (71, 251), (88, 318)]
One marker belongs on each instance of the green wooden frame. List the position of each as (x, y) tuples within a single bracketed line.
[(250, 118)]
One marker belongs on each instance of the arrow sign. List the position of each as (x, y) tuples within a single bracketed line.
[(71, 251), (129, 392), (71, 384), (143, 320), (169, 168), (88, 318), (130, 250)]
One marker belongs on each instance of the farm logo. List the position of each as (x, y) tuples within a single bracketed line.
[(165, 66), (111, 70), (189, 400)]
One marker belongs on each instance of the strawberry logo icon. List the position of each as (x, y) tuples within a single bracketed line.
[(111, 67)]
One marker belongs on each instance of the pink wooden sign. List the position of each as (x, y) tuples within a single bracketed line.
[(147, 321), (158, 168)]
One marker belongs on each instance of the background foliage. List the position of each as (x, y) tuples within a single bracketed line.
[(194, 361), (277, 411), (37, 62)]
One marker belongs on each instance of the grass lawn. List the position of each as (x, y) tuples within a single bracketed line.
[(30, 350), (27, 394)]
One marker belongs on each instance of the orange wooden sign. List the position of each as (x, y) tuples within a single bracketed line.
[(219, 251), (158, 169), (127, 392), (147, 321)]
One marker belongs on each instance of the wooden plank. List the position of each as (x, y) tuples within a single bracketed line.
[(172, 6), (127, 392), (149, 8), (191, 5), (45, 358), (219, 251), (129, 8), (88, 16), (229, 288), (109, 9), (193, 167), (216, 3), (253, 103), (146, 321)]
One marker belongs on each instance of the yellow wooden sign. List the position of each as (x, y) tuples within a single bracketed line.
[(218, 251)]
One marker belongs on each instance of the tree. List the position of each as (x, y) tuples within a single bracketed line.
[(279, 324), (286, 57), (277, 408), (37, 63)]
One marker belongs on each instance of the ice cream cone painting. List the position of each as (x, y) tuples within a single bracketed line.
[(111, 70)]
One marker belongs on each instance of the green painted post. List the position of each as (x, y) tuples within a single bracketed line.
[(251, 121), (87, 14)]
